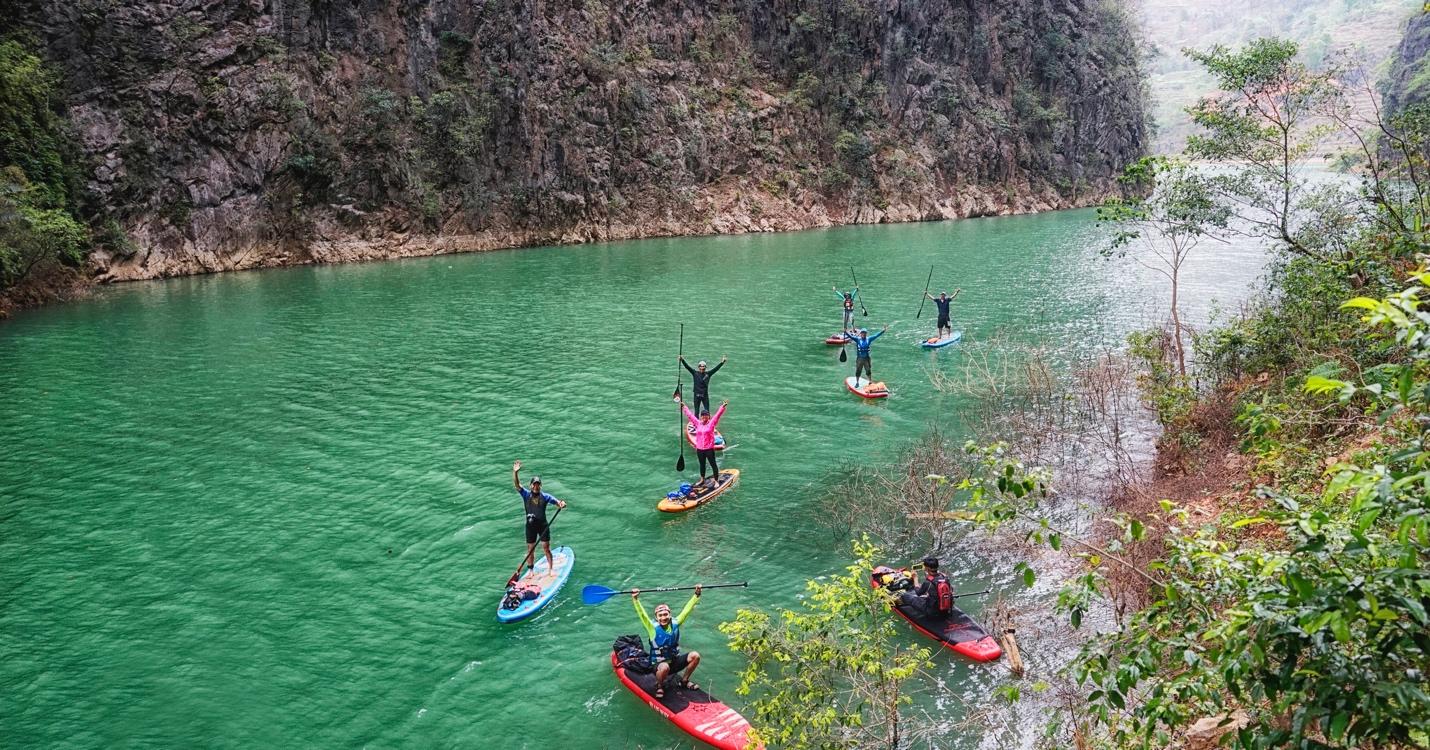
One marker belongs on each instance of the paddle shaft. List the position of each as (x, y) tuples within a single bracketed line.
[(856, 286), (679, 412), (686, 588), (925, 297), (531, 554)]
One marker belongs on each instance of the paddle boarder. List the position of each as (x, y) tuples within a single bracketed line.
[(847, 299), (934, 597), (703, 435), (942, 301), (535, 502), (862, 340), (664, 638), (701, 379)]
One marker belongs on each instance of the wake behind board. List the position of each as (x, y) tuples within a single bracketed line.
[(547, 580), (698, 496), (863, 387), (690, 437), (958, 632), (939, 343), (698, 713)]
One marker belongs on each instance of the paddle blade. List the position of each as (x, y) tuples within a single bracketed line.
[(680, 463), (596, 593), (843, 356)]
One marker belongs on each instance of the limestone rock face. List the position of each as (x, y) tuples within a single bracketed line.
[(226, 134)]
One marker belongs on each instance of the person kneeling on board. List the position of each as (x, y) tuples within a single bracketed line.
[(701, 378), (535, 501), (664, 637), (862, 340), (703, 435), (934, 597)]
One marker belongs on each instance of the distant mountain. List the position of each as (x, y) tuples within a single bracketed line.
[(1372, 27)]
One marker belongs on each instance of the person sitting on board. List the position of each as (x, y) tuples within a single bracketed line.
[(664, 637), (701, 379), (942, 301), (703, 435), (848, 299), (934, 597), (535, 501), (862, 340)]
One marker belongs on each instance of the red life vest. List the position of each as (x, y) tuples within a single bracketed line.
[(944, 593), (849, 303)]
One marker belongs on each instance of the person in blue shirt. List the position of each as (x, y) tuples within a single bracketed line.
[(862, 340), (847, 299), (535, 502)]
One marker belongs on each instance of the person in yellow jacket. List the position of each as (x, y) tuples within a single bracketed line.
[(664, 637)]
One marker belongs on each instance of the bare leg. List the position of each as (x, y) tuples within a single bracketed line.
[(662, 670), (694, 662), (550, 565)]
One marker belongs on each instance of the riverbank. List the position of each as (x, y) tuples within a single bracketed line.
[(736, 208)]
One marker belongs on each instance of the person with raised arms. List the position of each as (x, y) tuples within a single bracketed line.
[(847, 298), (862, 340), (535, 502), (703, 435), (942, 301), (664, 637), (700, 378)]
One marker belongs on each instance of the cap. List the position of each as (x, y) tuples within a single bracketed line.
[(535, 479), (864, 331), (701, 363)]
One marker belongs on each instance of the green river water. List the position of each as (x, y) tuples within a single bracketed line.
[(274, 509)]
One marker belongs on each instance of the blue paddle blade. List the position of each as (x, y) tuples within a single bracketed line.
[(595, 594)]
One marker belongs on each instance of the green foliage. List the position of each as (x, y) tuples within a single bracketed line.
[(33, 134), (829, 675), (32, 235)]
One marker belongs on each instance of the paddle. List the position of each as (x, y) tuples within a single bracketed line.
[(680, 413), (529, 555), (596, 593), (856, 286), (844, 350), (925, 296)]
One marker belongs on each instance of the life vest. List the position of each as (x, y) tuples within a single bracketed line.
[(667, 642), (943, 594), (848, 303), (535, 505)]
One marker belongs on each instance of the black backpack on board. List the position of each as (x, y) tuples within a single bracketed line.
[(630, 652)]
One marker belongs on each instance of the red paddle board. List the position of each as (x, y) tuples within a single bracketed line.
[(957, 632), (698, 713)]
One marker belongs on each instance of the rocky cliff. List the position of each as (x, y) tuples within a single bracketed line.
[(1408, 81), (226, 134)]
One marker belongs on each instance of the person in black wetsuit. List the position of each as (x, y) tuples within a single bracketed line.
[(942, 301), (701, 377), (535, 502), (934, 597)]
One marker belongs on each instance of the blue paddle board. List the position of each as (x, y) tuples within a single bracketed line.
[(940, 343), (549, 581)]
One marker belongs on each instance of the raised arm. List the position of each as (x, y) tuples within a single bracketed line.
[(645, 618), (688, 413), (838, 294), (685, 612), (716, 368), (880, 333), (687, 367), (516, 475), (715, 420)]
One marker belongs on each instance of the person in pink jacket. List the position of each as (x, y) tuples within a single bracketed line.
[(704, 438)]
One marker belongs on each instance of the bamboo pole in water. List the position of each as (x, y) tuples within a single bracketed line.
[(1010, 645)]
